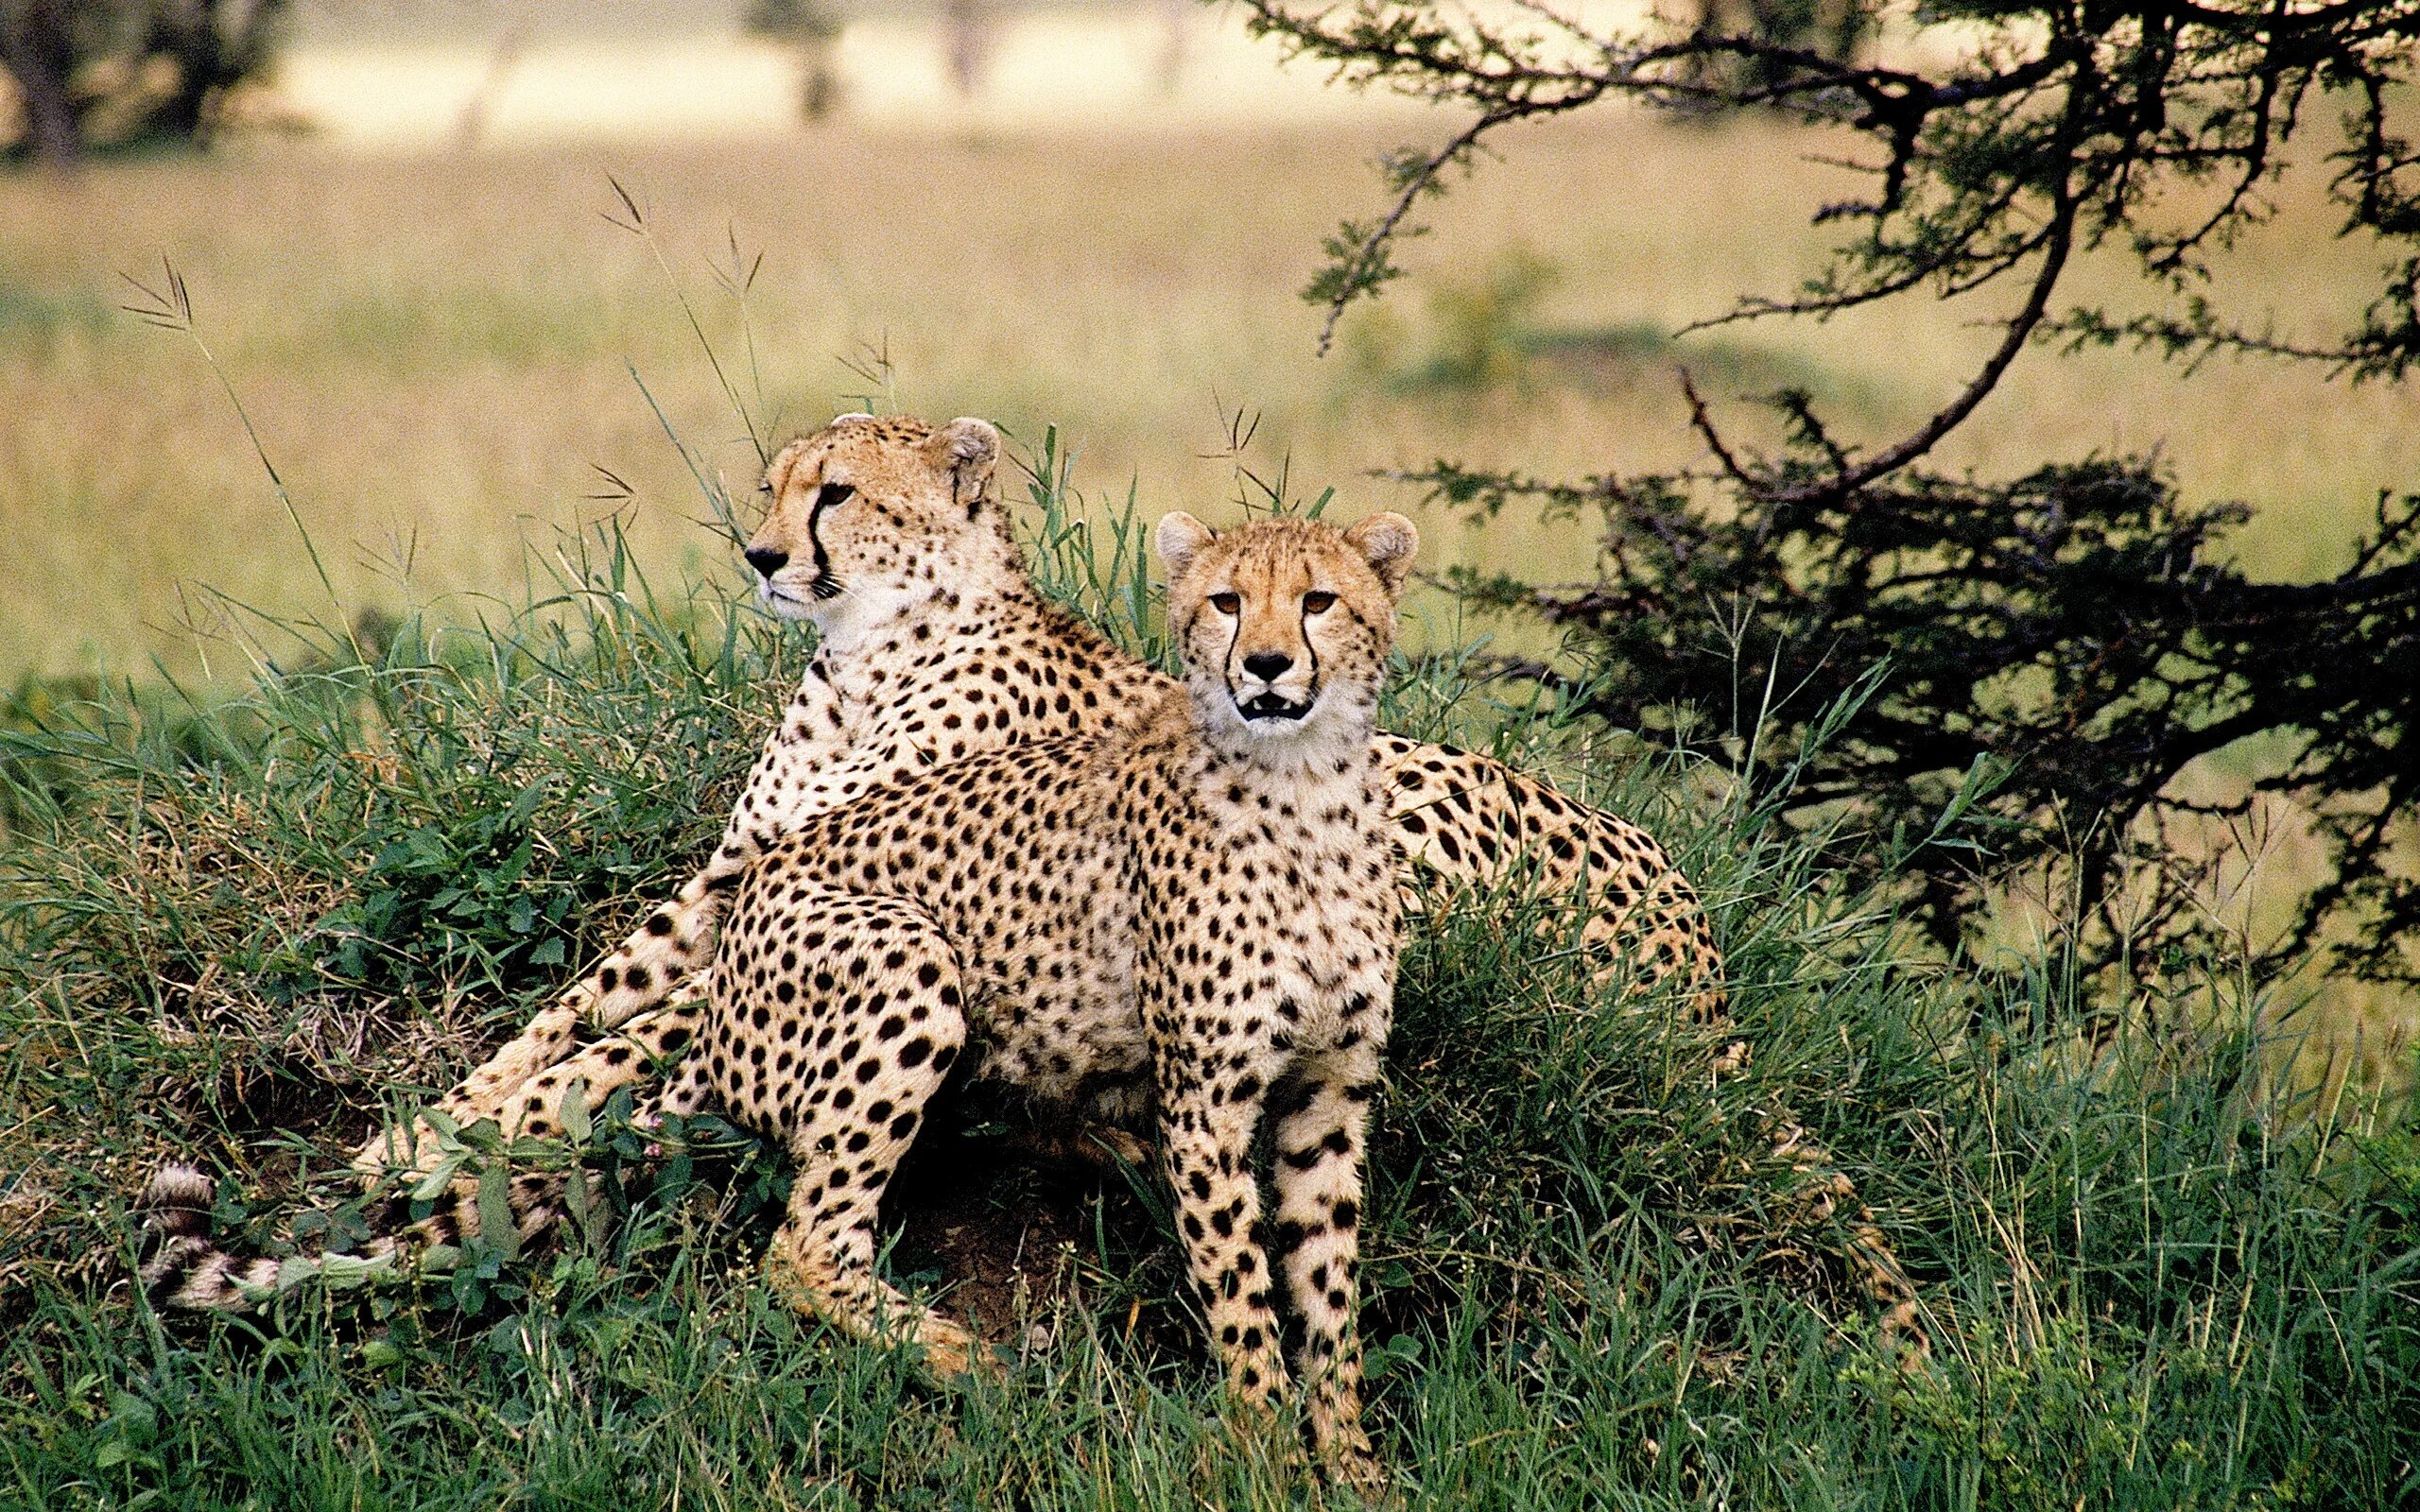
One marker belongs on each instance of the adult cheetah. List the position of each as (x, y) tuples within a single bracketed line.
[(1194, 913)]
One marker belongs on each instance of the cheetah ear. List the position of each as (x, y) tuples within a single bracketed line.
[(967, 448), (843, 420), (1181, 538), (1387, 542), (784, 462)]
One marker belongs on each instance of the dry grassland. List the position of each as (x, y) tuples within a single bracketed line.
[(437, 350)]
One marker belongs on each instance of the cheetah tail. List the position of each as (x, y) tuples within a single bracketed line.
[(183, 1269), (182, 1266)]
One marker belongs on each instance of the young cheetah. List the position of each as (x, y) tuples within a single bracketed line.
[(1195, 915)]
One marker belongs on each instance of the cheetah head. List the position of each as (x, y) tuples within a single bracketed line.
[(1286, 624), (866, 514)]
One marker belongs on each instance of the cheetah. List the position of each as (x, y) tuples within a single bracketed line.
[(1193, 914), (935, 645)]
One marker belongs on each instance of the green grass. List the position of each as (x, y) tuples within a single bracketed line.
[(244, 928), (33, 323)]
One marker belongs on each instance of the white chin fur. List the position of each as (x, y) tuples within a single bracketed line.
[(784, 605), (1326, 730), (854, 614)]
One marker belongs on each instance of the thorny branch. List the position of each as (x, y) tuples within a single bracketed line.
[(2054, 127)]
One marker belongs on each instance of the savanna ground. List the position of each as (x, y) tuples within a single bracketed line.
[(246, 922)]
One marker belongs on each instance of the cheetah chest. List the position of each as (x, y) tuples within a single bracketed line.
[(1050, 951), (1296, 943)]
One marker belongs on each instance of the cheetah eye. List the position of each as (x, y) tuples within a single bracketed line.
[(832, 494), (1318, 603), (1226, 603)]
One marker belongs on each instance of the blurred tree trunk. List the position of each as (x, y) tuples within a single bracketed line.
[(88, 75), (1167, 67), (470, 126), (36, 49), (190, 34), (813, 29), (971, 29)]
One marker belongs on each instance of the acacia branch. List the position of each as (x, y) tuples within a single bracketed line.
[(1360, 274)]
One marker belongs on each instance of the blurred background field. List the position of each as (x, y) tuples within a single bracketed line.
[(407, 278)]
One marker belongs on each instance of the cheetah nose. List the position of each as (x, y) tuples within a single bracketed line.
[(766, 559), (1266, 665)]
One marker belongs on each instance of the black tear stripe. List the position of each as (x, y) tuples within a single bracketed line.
[(1311, 647), (830, 496)]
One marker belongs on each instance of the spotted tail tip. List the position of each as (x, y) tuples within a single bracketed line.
[(176, 1203), (181, 1267)]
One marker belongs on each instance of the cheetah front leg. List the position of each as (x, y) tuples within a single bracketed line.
[(1322, 1116), (1208, 1115), (632, 1056), (789, 783), (656, 965), (835, 1020)]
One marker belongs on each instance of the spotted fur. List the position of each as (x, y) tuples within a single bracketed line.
[(936, 646)]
